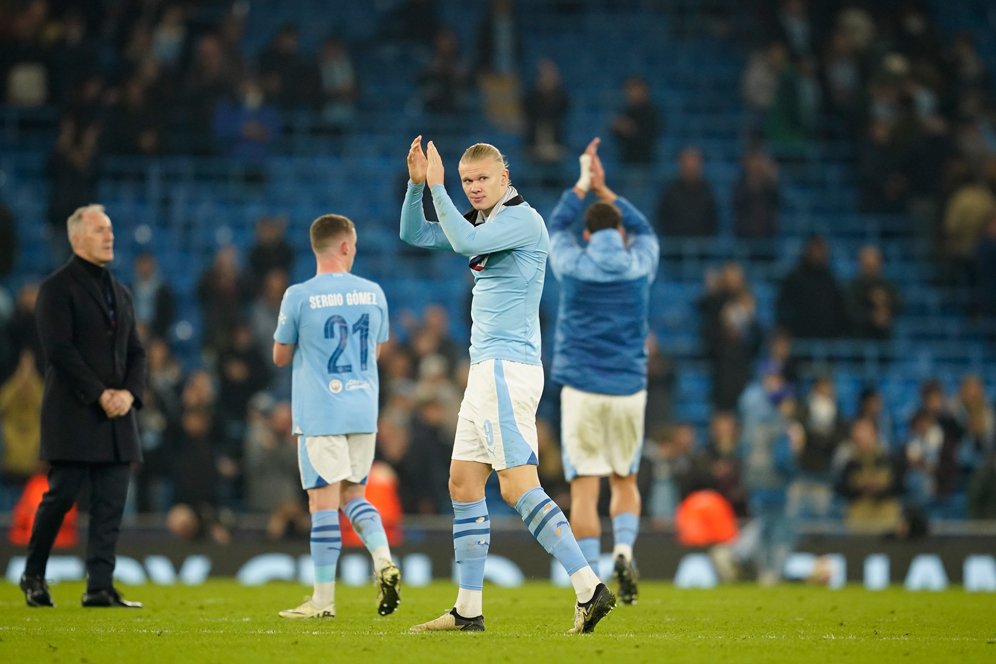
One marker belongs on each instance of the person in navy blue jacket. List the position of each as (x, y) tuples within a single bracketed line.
[(600, 357)]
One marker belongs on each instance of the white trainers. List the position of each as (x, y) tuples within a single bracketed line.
[(309, 610), (451, 621)]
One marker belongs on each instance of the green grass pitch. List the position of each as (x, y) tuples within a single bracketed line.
[(221, 621)]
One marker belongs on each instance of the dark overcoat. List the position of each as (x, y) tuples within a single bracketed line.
[(87, 352)]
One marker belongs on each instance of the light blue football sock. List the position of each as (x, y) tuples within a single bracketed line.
[(365, 520), (549, 526), (471, 539), (326, 543), (591, 548), (625, 527)]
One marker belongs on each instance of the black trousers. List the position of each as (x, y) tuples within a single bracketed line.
[(108, 490)]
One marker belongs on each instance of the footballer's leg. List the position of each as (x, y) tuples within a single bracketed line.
[(584, 517), (326, 544), (471, 540), (625, 510), (367, 523), (520, 487)]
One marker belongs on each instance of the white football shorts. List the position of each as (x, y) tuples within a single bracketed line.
[(601, 434), (497, 423), (325, 460)]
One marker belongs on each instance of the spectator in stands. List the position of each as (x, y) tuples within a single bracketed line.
[(810, 304), (733, 346), (933, 400), (545, 106), (965, 216), (981, 493), (922, 456), (871, 406), (497, 64), (825, 428), (169, 37), (158, 418), (985, 270), (973, 412), (637, 126), (444, 82), (263, 314), (412, 447), (793, 26), (195, 512), (432, 338), (687, 207), (718, 466), (20, 417), (242, 372), (271, 469), (287, 77), (270, 251), (23, 71), (247, 129), (869, 484), (872, 300), (213, 78), (152, 297), (660, 386), (339, 85), (779, 355), (843, 80), (133, 124), (72, 172), (72, 58), (222, 293), (759, 83), (770, 441), (669, 458), (24, 326), (882, 180), (756, 197)]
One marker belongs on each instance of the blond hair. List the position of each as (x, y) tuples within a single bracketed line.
[(327, 228), (479, 151), (76, 218)]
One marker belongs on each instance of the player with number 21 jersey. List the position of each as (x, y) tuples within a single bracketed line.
[(336, 320)]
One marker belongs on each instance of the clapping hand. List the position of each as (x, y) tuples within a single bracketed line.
[(416, 161), (434, 173)]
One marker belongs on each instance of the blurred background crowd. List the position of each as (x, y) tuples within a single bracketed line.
[(822, 174)]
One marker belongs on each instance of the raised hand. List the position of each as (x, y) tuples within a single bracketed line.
[(598, 181), (416, 161), (584, 178), (434, 173)]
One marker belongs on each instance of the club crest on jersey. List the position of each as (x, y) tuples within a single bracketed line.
[(335, 386)]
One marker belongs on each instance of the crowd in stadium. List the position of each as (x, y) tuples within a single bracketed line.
[(146, 78)]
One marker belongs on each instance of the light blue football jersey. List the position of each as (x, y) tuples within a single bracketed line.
[(336, 321), (504, 310)]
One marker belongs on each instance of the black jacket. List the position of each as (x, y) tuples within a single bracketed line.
[(84, 355)]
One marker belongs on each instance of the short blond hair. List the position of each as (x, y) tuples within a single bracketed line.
[(479, 151), (76, 218), (327, 228)]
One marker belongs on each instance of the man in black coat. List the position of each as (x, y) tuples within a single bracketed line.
[(94, 377)]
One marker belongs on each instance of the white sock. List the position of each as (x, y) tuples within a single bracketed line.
[(469, 603), (624, 550), (584, 582), (324, 594), (381, 557)]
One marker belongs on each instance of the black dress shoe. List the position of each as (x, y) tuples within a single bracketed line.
[(108, 597), (36, 591)]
